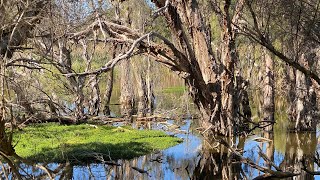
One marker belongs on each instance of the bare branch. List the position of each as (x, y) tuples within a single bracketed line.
[(114, 61), (269, 173)]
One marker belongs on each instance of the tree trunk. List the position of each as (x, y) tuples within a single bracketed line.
[(242, 97), (202, 81), (305, 100), (94, 102), (108, 92), (150, 93), (268, 97), (211, 90), (77, 86), (22, 99), (126, 96), (5, 138), (229, 58), (142, 94), (291, 86)]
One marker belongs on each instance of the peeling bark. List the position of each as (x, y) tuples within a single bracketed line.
[(126, 96), (94, 102), (269, 91), (305, 103), (142, 95)]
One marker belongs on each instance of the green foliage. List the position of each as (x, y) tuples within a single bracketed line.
[(215, 28), (82, 143), (177, 89)]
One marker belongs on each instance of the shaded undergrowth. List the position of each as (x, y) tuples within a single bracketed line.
[(85, 143)]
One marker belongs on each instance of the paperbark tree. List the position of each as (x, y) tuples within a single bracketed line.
[(269, 91), (209, 80), (306, 101), (18, 21), (209, 76), (216, 100), (301, 36), (109, 85), (108, 93), (126, 90)]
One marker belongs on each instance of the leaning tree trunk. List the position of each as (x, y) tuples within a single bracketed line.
[(108, 93), (22, 100), (268, 90), (199, 62), (13, 35), (211, 90), (109, 84), (76, 84)]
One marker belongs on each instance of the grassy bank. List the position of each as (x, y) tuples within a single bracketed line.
[(82, 143)]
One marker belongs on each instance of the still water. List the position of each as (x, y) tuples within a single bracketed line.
[(199, 158)]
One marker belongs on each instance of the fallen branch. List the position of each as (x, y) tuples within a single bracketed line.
[(269, 173), (142, 171), (267, 160)]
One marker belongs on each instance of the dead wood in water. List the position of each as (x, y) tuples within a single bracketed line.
[(268, 172)]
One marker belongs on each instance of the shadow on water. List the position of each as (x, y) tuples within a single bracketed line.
[(80, 153), (197, 158)]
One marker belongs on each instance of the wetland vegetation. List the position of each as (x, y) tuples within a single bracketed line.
[(159, 89), (84, 143)]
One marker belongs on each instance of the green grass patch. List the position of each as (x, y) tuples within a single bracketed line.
[(83, 143), (176, 89)]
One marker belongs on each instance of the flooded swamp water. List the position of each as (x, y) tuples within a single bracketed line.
[(196, 158)]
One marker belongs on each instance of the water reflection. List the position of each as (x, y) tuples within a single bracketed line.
[(284, 154), (217, 162), (299, 148)]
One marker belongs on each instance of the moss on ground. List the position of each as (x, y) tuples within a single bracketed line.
[(84, 143)]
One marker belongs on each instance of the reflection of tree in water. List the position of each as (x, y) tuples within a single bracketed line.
[(299, 147), (216, 161), (219, 163), (19, 170)]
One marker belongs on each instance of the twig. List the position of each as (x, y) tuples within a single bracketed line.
[(268, 172), (114, 61), (307, 170), (158, 11), (206, 129), (268, 160)]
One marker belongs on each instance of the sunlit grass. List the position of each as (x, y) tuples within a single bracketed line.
[(79, 143), (176, 89)]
